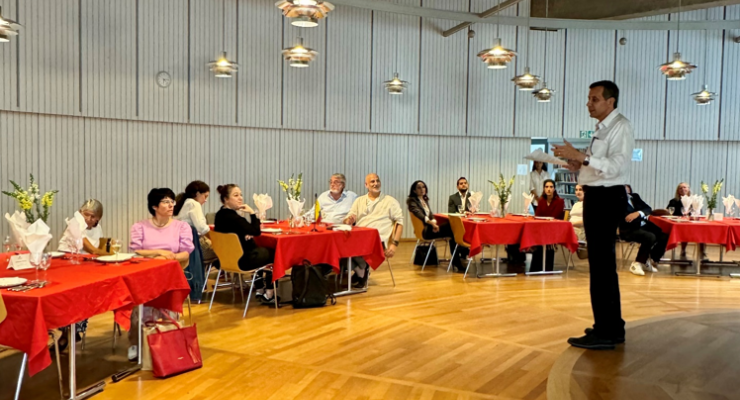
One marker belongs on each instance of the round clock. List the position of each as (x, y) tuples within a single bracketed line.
[(163, 79)]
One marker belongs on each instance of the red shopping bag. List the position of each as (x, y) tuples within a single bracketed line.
[(175, 351)]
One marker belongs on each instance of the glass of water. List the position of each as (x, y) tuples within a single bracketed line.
[(115, 247), (671, 210)]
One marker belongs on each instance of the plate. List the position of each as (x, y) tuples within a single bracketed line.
[(477, 219), (271, 230), (481, 213), (454, 215), (545, 218), (522, 215), (55, 254), (10, 282), (267, 222), (116, 257)]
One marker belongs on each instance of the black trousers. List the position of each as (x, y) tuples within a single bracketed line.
[(652, 242), (536, 264), (257, 258), (603, 209)]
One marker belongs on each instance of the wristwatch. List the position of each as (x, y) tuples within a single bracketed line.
[(587, 160), (395, 243)]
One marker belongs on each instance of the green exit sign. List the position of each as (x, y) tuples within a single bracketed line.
[(586, 134)]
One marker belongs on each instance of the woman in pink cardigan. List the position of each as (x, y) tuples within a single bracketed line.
[(159, 237)]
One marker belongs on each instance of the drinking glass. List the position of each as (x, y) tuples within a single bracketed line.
[(6, 248), (461, 209), (115, 247), (35, 261), (684, 211), (44, 265), (671, 210)]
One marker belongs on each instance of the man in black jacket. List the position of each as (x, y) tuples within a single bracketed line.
[(456, 199), (637, 228)]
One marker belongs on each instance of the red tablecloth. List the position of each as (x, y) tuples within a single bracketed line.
[(713, 232), (323, 247), (527, 232), (77, 292)]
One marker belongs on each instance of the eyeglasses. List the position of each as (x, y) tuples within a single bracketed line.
[(166, 202), (336, 182)]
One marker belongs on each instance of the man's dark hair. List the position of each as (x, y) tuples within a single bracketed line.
[(610, 90), (459, 179)]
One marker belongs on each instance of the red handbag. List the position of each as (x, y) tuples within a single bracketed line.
[(176, 351)]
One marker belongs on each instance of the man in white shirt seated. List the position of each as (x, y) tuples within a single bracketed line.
[(380, 211), (336, 202)]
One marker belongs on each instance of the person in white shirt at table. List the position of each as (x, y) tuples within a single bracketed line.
[(576, 215), (380, 211), (336, 202), (92, 211), (189, 208)]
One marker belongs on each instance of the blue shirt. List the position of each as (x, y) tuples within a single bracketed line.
[(334, 211)]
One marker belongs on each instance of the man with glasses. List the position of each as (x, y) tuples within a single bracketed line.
[(336, 202)]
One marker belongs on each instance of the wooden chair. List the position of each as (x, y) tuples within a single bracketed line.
[(229, 250), (458, 231), (418, 229), (387, 260)]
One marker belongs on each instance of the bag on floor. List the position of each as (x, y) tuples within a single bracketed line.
[(310, 287), (421, 254), (176, 351)]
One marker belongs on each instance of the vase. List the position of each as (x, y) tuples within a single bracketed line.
[(504, 208), (710, 214)]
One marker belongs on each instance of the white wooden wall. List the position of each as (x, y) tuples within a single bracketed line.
[(81, 109)]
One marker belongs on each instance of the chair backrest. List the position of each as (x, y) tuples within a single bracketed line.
[(458, 230), (418, 226), (567, 215), (228, 249), (3, 310), (659, 212), (211, 218)]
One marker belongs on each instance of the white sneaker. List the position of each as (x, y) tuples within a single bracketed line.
[(133, 353), (636, 268), (650, 266)]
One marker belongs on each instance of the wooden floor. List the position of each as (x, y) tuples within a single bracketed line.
[(434, 336)]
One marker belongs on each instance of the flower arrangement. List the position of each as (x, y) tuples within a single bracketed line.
[(31, 199), (503, 189), (293, 187), (712, 200)]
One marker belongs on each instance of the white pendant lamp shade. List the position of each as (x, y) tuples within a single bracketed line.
[(497, 57), (677, 69), (222, 67), (395, 85), (299, 56), (304, 13), (526, 81), (8, 28)]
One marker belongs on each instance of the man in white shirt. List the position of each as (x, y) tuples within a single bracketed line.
[(336, 202), (380, 211), (604, 172)]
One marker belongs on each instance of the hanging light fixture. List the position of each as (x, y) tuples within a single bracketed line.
[(677, 69), (8, 28), (222, 67), (527, 81), (298, 55), (497, 57), (304, 13), (544, 94), (396, 85), (705, 96)]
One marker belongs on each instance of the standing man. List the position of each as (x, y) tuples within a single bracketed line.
[(604, 172), (336, 202), (462, 196), (380, 211)]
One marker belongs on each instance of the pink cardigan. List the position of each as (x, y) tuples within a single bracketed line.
[(175, 237)]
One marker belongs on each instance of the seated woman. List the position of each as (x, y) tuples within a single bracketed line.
[(548, 205), (418, 205), (189, 208), (159, 237), (92, 211), (683, 189), (576, 215), (237, 217)]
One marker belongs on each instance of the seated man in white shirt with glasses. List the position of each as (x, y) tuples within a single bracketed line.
[(336, 202), (380, 211)]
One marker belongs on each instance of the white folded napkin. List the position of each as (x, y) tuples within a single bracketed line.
[(494, 202), (697, 202), (728, 201), (295, 207), (528, 197), (36, 238), (539, 155), (475, 198), (737, 203), (75, 228), (18, 226), (342, 227), (686, 202), (263, 202)]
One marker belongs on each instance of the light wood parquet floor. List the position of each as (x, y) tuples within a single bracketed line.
[(433, 336)]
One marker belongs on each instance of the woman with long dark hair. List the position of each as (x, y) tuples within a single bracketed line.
[(189, 208), (550, 205)]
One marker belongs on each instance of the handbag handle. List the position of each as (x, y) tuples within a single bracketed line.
[(167, 315)]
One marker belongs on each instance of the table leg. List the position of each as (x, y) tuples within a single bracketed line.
[(697, 265), (92, 390), (497, 273), (119, 376), (20, 376), (544, 259), (349, 290)]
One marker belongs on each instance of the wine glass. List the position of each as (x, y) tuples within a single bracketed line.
[(35, 261), (6, 248), (44, 265), (671, 210), (685, 211), (461, 209), (115, 247), (77, 245)]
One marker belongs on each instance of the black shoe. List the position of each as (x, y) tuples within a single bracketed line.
[(592, 342), (361, 282), (264, 300), (618, 340)]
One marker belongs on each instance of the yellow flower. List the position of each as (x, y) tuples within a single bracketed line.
[(25, 204)]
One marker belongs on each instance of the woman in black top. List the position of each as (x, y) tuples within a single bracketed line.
[(683, 189), (228, 220)]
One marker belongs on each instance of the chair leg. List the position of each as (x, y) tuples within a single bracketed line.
[(241, 285), (413, 253), (215, 286), (84, 336), (249, 297), (20, 375), (205, 281), (452, 257), (468, 267), (427, 257), (59, 363), (391, 271), (190, 312), (274, 294)]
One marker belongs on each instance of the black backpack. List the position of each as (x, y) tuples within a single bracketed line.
[(310, 287)]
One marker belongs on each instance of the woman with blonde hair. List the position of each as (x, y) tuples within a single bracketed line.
[(92, 211), (683, 189)]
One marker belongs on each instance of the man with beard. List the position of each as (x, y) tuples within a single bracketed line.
[(336, 202)]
